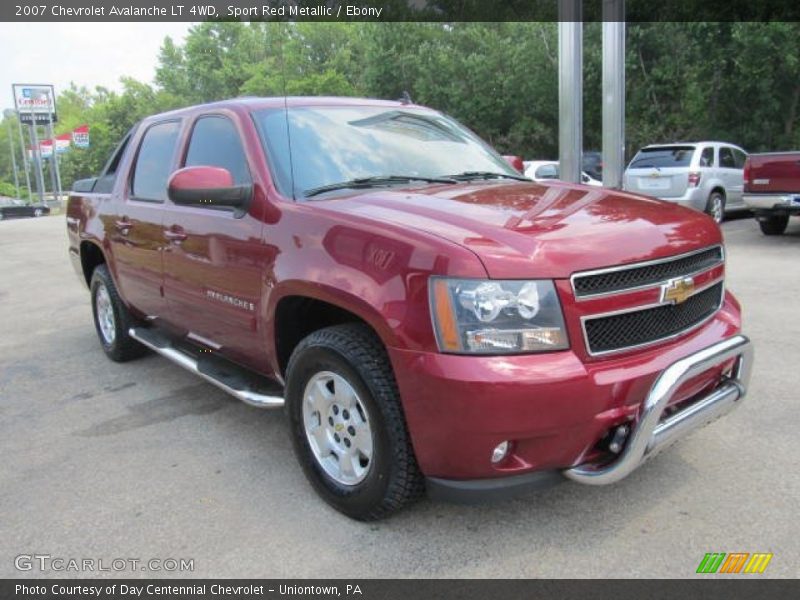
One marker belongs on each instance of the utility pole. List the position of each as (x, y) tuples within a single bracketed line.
[(8, 115), (38, 94), (24, 159), (570, 90), (37, 156), (57, 172), (613, 93)]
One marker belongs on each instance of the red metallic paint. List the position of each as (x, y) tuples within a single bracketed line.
[(776, 172), (200, 178), (372, 252)]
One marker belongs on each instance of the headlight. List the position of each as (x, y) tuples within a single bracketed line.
[(487, 316)]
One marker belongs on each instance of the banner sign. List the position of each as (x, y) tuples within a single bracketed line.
[(35, 101), (80, 136), (62, 145)]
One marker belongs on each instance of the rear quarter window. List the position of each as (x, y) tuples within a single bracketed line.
[(661, 157), (707, 157)]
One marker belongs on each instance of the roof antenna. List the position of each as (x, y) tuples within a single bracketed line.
[(405, 98)]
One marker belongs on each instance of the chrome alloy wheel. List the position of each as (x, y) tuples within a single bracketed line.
[(105, 315), (717, 211), (337, 428)]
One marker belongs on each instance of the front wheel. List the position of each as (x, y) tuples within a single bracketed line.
[(347, 423), (774, 225), (38, 212)]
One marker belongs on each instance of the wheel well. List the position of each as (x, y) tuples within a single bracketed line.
[(299, 316), (720, 190), (91, 256)]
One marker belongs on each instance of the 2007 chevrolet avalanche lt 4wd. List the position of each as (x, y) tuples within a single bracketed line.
[(427, 316)]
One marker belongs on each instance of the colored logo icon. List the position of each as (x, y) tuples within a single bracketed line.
[(735, 562)]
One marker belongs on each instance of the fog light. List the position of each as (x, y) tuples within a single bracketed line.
[(500, 451)]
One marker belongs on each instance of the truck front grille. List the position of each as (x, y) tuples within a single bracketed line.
[(619, 279), (641, 327)]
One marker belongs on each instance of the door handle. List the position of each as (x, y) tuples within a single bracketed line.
[(175, 235), (123, 226)]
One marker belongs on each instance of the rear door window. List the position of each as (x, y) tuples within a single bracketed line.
[(707, 157), (663, 156), (154, 161), (726, 159), (215, 142)]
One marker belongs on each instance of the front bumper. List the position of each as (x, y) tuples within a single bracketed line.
[(652, 432), (555, 408)]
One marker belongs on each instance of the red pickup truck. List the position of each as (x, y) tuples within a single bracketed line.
[(772, 189), (429, 318)]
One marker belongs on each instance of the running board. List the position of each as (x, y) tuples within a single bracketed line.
[(239, 382)]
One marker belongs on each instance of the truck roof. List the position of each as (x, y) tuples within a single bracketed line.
[(251, 103)]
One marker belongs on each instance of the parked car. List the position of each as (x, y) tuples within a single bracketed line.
[(428, 317), (543, 170), (772, 189), (706, 176), (12, 208), (592, 163)]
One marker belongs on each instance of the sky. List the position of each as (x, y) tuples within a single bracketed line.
[(89, 54)]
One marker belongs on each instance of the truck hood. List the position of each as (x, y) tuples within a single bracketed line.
[(546, 230)]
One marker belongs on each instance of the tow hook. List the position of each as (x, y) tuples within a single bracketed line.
[(618, 437)]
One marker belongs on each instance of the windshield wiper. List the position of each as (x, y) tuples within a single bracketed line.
[(469, 175), (375, 181)]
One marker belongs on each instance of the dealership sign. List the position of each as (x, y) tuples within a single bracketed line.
[(35, 101)]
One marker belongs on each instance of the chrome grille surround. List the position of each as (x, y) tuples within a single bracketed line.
[(642, 275)]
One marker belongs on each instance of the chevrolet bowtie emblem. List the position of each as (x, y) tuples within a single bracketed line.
[(677, 291)]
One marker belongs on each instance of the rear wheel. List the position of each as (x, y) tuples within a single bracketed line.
[(774, 225), (112, 319), (347, 423), (716, 206)]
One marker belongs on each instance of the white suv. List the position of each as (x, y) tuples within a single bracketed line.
[(706, 176)]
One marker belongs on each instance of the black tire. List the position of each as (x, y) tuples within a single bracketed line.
[(354, 352), (122, 347), (774, 225), (38, 212), (715, 207)]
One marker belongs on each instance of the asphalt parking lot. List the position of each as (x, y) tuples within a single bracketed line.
[(143, 460)]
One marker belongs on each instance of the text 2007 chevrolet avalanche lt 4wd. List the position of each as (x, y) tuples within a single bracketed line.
[(427, 316)]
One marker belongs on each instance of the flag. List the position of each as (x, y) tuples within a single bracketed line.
[(80, 136)]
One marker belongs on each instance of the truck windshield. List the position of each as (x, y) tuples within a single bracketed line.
[(665, 156), (315, 147)]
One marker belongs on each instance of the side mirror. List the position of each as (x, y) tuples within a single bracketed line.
[(207, 186), (84, 186), (516, 162)]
